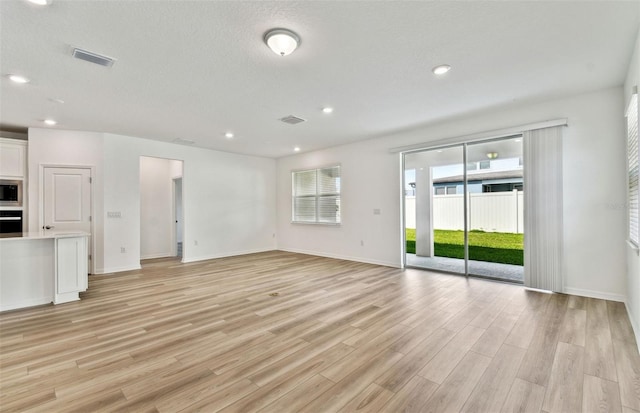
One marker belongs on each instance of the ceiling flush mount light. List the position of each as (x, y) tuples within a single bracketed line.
[(40, 2), (18, 79), (282, 41), (50, 122), (441, 69), (492, 155), (327, 110), (228, 135), (296, 149)]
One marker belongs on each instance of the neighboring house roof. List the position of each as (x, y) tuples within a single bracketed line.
[(482, 176)]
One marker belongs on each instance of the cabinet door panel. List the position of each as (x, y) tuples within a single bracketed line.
[(72, 265), (12, 160)]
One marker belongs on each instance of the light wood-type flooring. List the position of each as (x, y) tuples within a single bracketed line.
[(282, 332)]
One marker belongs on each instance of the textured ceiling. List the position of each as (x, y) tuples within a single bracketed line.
[(196, 69)]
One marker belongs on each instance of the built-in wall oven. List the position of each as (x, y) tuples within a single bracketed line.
[(10, 193), (10, 222)]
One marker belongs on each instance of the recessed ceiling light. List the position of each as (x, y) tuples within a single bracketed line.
[(441, 69), (296, 149), (282, 41), (50, 122), (18, 79), (492, 155), (327, 110), (228, 135), (40, 2)]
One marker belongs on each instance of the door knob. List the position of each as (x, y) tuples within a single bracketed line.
[(49, 227)]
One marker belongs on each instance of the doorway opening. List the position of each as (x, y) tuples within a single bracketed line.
[(177, 213), (161, 208), (464, 209)]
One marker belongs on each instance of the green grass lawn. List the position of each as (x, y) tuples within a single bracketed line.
[(499, 247)]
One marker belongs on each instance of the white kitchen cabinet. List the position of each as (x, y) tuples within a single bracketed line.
[(71, 268), (13, 158), (42, 267)]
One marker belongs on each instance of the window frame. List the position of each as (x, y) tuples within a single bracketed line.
[(316, 196)]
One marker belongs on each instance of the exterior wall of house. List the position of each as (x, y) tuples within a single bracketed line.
[(594, 176)]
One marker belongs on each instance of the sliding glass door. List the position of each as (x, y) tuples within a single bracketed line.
[(464, 209), (434, 209)]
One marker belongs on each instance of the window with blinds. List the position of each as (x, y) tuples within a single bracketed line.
[(632, 169), (316, 196)]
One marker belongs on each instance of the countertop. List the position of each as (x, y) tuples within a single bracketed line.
[(41, 235)]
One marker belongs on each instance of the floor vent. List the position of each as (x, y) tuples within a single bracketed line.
[(292, 120), (91, 57)]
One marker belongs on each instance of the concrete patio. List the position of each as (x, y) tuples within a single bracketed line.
[(506, 272)]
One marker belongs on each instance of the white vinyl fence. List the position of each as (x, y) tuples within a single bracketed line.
[(491, 212)]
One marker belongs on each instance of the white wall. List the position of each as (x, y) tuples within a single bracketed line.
[(633, 261), (64, 148), (228, 200), (594, 176), (157, 221), (369, 180)]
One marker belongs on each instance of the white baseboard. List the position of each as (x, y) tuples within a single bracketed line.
[(634, 325), (116, 269), (343, 257), (158, 255), (26, 303), (224, 255), (595, 294)]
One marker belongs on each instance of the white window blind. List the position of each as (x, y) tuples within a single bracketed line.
[(632, 169), (316, 195)]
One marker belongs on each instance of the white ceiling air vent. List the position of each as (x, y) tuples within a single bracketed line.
[(183, 141), (92, 57), (292, 120)]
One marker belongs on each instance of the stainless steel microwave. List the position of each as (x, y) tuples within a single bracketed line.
[(10, 193)]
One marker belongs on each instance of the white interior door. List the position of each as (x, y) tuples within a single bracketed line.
[(67, 201)]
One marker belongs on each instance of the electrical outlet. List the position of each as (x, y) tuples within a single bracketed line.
[(274, 235), (362, 243), (195, 242), (123, 250), (376, 211)]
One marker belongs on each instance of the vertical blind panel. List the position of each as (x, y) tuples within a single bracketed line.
[(304, 183), (329, 209), (632, 153), (543, 264), (304, 209), (329, 180)]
